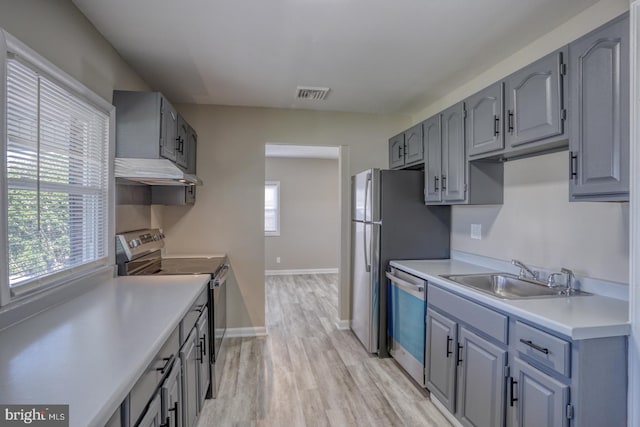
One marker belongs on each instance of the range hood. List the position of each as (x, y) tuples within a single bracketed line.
[(153, 172)]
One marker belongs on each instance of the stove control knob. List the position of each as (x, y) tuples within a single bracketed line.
[(134, 243)]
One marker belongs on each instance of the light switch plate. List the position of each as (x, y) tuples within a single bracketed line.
[(476, 231)]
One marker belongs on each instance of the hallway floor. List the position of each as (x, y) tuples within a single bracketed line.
[(306, 372)]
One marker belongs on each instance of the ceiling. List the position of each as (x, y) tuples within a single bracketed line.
[(301, 151), (377, 56)]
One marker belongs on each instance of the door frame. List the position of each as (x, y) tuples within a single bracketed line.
[(634, 219)]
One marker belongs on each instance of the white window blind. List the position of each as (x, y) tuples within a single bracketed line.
[(57, 179), (272, 208)]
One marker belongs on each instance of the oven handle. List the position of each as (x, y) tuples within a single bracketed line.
[(404, 284), (221, 276)]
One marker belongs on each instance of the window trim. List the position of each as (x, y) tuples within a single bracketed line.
[(275, 233), (11, 46)]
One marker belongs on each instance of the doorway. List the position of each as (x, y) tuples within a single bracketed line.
[(304, 189)]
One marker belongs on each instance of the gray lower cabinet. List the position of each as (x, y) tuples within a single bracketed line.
[(171, 392), (535, 398), (189, 360), (534, 101), (481, 380), (599, 114), (204, 365), (396, 152), (153, 415), (485, 124), (492, 369)]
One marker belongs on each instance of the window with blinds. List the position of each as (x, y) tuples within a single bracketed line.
[(57, 154), (272, 208)]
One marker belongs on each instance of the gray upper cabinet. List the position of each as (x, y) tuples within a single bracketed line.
[(536, 398), (192, 147), (406, 149), (433, 164), (481, 383), (485, 130), (441, 358), (396, 151), (169, 133), (413, 145), (534, 101), (453, 179), (599, 114), (182, 143)]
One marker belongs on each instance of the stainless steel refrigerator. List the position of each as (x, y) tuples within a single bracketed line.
[(389, 222)]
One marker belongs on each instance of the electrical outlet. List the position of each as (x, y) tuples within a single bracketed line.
[(277, 260), (476, 231)]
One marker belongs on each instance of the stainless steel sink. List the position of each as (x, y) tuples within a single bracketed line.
[(508, 286)]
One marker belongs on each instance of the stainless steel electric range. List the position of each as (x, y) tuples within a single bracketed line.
[(140, 253)]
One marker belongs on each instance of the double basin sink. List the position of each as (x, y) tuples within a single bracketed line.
[(508, 286)]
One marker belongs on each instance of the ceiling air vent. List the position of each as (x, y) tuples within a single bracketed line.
[(312, 93)]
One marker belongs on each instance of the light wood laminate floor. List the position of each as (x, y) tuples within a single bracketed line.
[(306, 372)]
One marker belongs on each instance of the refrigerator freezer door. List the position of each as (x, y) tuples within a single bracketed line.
[(361, 193), (365, 297)]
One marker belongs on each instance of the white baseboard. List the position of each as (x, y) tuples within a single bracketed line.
[(246, 332), (301, 271), (343, 325), (448, 415)]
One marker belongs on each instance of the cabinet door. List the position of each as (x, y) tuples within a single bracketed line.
[(204, 363), (171, 392), (192, 150), (440, 359), (599, 112), (188, 358), (540, 400), (413, 145), (453, 184), (534, 101), (481, 382), (182, 143), (168, 130), (484, 120), (153, 416), (433, 164), (396, 152)]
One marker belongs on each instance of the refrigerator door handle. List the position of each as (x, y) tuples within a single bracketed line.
[(367, 190), (367, 261)]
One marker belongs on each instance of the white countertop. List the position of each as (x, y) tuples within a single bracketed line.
[(578, 317), (90, 351)]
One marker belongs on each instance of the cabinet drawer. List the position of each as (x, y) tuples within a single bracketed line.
[(484, 319), (190, 319), (543, 348)]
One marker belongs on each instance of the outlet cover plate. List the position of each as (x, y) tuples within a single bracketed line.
[(476, 231)]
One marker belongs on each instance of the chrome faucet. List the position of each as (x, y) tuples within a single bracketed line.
[(523, 269), (551, 279), (570, 280)]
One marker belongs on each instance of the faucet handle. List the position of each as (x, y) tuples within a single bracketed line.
[(570, 279), (551, 279)]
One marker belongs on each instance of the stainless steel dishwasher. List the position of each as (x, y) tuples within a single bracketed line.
[(406, 328)]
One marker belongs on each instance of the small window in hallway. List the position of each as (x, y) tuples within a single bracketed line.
[(272, 208)]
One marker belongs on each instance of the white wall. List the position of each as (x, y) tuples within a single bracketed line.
[(228, 214), (536, 223), (309, 214)]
